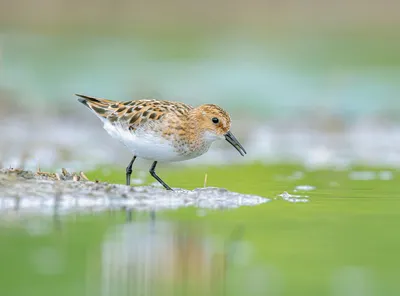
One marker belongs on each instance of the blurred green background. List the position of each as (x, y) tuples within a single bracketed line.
[(313, 88), (260, 58)]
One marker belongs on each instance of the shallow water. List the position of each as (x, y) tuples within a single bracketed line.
[(342, 241)]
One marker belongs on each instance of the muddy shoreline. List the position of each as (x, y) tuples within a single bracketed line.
[(43, 192)]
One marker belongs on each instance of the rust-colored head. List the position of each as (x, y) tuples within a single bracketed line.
[(214, 123)]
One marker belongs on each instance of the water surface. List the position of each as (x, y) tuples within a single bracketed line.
[(343, 241)]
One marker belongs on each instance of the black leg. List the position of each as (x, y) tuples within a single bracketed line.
[(153, 173), (129, 171)]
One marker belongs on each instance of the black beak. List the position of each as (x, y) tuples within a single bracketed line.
[(235, 143)]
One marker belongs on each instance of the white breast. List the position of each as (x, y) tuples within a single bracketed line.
[(146, 144)]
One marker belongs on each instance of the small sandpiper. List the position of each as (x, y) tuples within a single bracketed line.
[(162, 130)]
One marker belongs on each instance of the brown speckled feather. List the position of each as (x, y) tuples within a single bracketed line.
[(135, 113)]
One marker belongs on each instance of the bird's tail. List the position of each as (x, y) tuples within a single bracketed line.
[(101, 107)]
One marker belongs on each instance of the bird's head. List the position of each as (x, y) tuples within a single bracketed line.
[(214, 123)]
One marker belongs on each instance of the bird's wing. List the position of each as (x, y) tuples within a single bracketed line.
[(135, 113)]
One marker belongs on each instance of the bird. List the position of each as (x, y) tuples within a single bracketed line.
[(162, 131)]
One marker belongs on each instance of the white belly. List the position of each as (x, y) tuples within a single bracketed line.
[(147, 145)]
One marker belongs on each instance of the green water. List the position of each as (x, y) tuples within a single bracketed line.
[(344, 241)]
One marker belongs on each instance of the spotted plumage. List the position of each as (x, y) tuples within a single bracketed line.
[(163, 130)]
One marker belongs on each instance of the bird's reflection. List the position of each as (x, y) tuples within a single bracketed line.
[(165, 258)]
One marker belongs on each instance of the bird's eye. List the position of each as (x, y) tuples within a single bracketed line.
[(215, 120)]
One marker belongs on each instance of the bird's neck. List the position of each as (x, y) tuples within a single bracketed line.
[(197, 134)]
